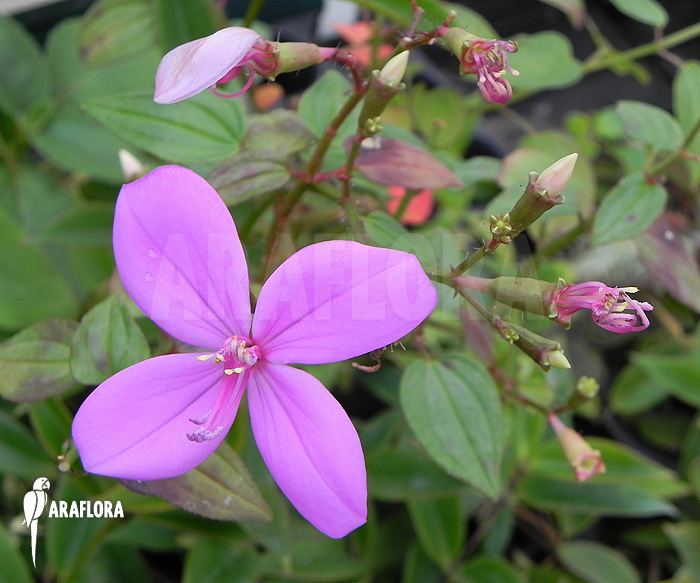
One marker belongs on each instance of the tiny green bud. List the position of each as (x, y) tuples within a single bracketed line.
[(557, 359), (393, 71), (587, 387), (500, 228)]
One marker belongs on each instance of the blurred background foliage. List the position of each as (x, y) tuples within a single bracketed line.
[(466, 482)]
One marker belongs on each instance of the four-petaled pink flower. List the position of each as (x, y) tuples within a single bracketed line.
[(611, 307), (181, 261), (488, 59)]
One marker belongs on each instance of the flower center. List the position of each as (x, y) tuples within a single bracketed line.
[(237, 356)]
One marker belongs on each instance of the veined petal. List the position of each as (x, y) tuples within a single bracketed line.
[(135, 424), (310, 446), (336, 300), (180, 258), (196, 65)]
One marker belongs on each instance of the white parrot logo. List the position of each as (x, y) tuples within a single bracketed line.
[(34, 503)]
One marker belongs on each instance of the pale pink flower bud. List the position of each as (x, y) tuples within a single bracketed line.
[(585, 461), (392, 73), (555, 178), (131, 166)]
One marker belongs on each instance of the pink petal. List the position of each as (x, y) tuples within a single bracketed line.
[(310, 446), (196, 65), (180, 258), (336, 300), (135, 424)]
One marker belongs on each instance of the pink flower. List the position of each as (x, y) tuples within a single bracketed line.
[(489, 60), (181, 261), (585, 461), (214, 60), (419, 209), (359, 38), (611, 307)]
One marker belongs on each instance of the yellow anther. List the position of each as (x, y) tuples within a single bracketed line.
[(219, 358), (204, 357), (239, 369), (229, 371)]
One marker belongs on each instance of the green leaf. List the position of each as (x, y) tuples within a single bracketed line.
[(246, 176), (485, 569), (36, 362), (686, 88), (398, 475), (319, 105), (216, 561), (114, 563), (595, 563), (678, 374), (23, 76), (650, 124), (204, 128), (70, 543), (20, 454), (455, 411), (180, 21), (685, 536), (633, 392), (442, 117), (545, 60), (590, 497), (108, 340), (418, 568), (575, 10), (629, 209), (27, 280), (275, 135), (51, 421), (84, 226), (440, 525), (647, 11), (13, 567), (624, 466), (220, 488), (116, 29)]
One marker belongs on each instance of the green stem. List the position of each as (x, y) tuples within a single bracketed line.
[(252, 12), (471, 260), (403, 204), (666, 162), (598, 63), (565, 239), (315, 162)]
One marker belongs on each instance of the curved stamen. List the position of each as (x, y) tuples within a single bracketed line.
[(244, 89)]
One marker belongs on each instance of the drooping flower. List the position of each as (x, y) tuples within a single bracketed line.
[(488, 59), (585, 461), (221, 57), (180, 259), (419, 208), (611, 308)]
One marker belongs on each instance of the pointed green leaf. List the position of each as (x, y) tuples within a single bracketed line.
[(647, 11), (440, 525), (108, 340), (455, 411), (595, 563), (221, 488), (650, 124), (13, 567)]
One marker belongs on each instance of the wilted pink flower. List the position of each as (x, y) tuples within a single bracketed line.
[(418, 210), (489, 60), (221, 57), (181, 261), (611, 307), (585, 461)]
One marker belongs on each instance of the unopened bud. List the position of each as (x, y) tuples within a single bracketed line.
[(392, 73), (130, 165), (585, 461), (587, 387), (500, 228), (294, 56), (555, 178), (557, 359)]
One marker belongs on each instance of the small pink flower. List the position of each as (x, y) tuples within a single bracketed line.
[(585, 461), (489, 60), (180, 259), (611, 307), (214, 60), (359, 38), (419, 209)]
